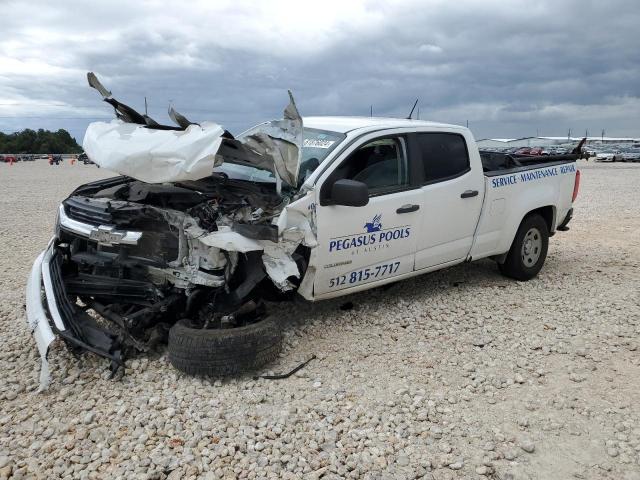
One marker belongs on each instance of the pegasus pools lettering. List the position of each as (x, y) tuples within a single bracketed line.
[(532, 175), (375, 237), (378, 239)]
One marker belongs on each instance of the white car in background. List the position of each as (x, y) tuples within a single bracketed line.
[(607, 156)]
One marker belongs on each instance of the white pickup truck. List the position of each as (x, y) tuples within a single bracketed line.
[(360, 202)]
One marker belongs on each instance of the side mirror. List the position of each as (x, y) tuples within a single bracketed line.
[(349, 193)]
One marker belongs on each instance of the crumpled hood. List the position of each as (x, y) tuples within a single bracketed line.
[(154, 156), (161, 155)]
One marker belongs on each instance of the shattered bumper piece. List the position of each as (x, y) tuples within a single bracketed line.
[(37, 318), (50, 312)]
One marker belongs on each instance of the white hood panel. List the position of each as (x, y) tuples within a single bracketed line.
[(154, 156)]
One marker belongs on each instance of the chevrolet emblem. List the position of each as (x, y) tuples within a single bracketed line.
[(106, 235)]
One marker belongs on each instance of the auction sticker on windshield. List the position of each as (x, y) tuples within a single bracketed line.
[(317, 143)]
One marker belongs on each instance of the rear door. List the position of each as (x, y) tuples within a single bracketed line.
[(452, 195), (359, 245)]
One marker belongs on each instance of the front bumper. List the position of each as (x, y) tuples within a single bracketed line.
[(50, 312), (37, 317)]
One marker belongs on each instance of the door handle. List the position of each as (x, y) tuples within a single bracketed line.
[(408, 208), (469, 193)]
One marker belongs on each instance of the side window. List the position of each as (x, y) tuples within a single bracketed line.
[(381, 164), (444, 155)]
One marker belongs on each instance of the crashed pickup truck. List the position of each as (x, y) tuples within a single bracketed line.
[(201, 227)]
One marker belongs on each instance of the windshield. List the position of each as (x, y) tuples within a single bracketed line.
[(316, 146)]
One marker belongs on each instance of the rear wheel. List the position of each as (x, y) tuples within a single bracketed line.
[(529, 249)]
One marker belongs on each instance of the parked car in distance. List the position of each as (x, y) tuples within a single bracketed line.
[(607, 157), (84, 158), (629, 156), (523, 151)]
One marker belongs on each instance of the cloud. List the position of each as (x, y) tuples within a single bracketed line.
[(508, 68), (429, 48)]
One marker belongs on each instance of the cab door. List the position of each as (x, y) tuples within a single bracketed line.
[(452, 194), (360, 245)]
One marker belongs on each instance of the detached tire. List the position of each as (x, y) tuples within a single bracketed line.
[(217, 352), (529, 249)]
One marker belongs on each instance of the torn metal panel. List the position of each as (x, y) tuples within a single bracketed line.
[(141, 148), (281, 142), (154, 156), (257, 232), (37, 319), (299, 216), (180, 119), (125, 112), (279, 266), (299, 219), (230, 241)]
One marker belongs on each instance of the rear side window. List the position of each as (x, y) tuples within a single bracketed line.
[(444, 155)]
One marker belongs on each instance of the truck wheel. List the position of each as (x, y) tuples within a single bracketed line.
[(529, 249), (223, 351)]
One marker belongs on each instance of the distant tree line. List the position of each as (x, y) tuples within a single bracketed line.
[(41, 141)]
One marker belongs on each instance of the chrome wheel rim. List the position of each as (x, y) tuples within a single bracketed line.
[(531, 247)]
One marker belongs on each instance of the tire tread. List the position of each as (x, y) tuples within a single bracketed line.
[(223, 352), (512, 266)]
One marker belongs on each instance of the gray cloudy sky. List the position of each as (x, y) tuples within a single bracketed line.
[(508, 67)]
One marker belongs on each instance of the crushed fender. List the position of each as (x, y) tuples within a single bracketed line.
[(179, 235)]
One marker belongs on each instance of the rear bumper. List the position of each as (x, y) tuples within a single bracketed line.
[(51, 313), (563, 227)]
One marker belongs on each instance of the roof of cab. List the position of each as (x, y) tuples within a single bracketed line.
[(347, 124)]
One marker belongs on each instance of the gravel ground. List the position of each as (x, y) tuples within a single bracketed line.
[(457, 374)]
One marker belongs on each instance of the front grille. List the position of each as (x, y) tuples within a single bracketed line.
[(85, 210), (157, 246)]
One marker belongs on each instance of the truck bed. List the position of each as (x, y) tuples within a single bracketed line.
[(514, 188), (498, 163)]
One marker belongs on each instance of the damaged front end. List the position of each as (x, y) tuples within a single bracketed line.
[(133, 254)]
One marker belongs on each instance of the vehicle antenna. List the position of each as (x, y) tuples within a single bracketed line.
[(145, 106), (412, 109), (371, 111)]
